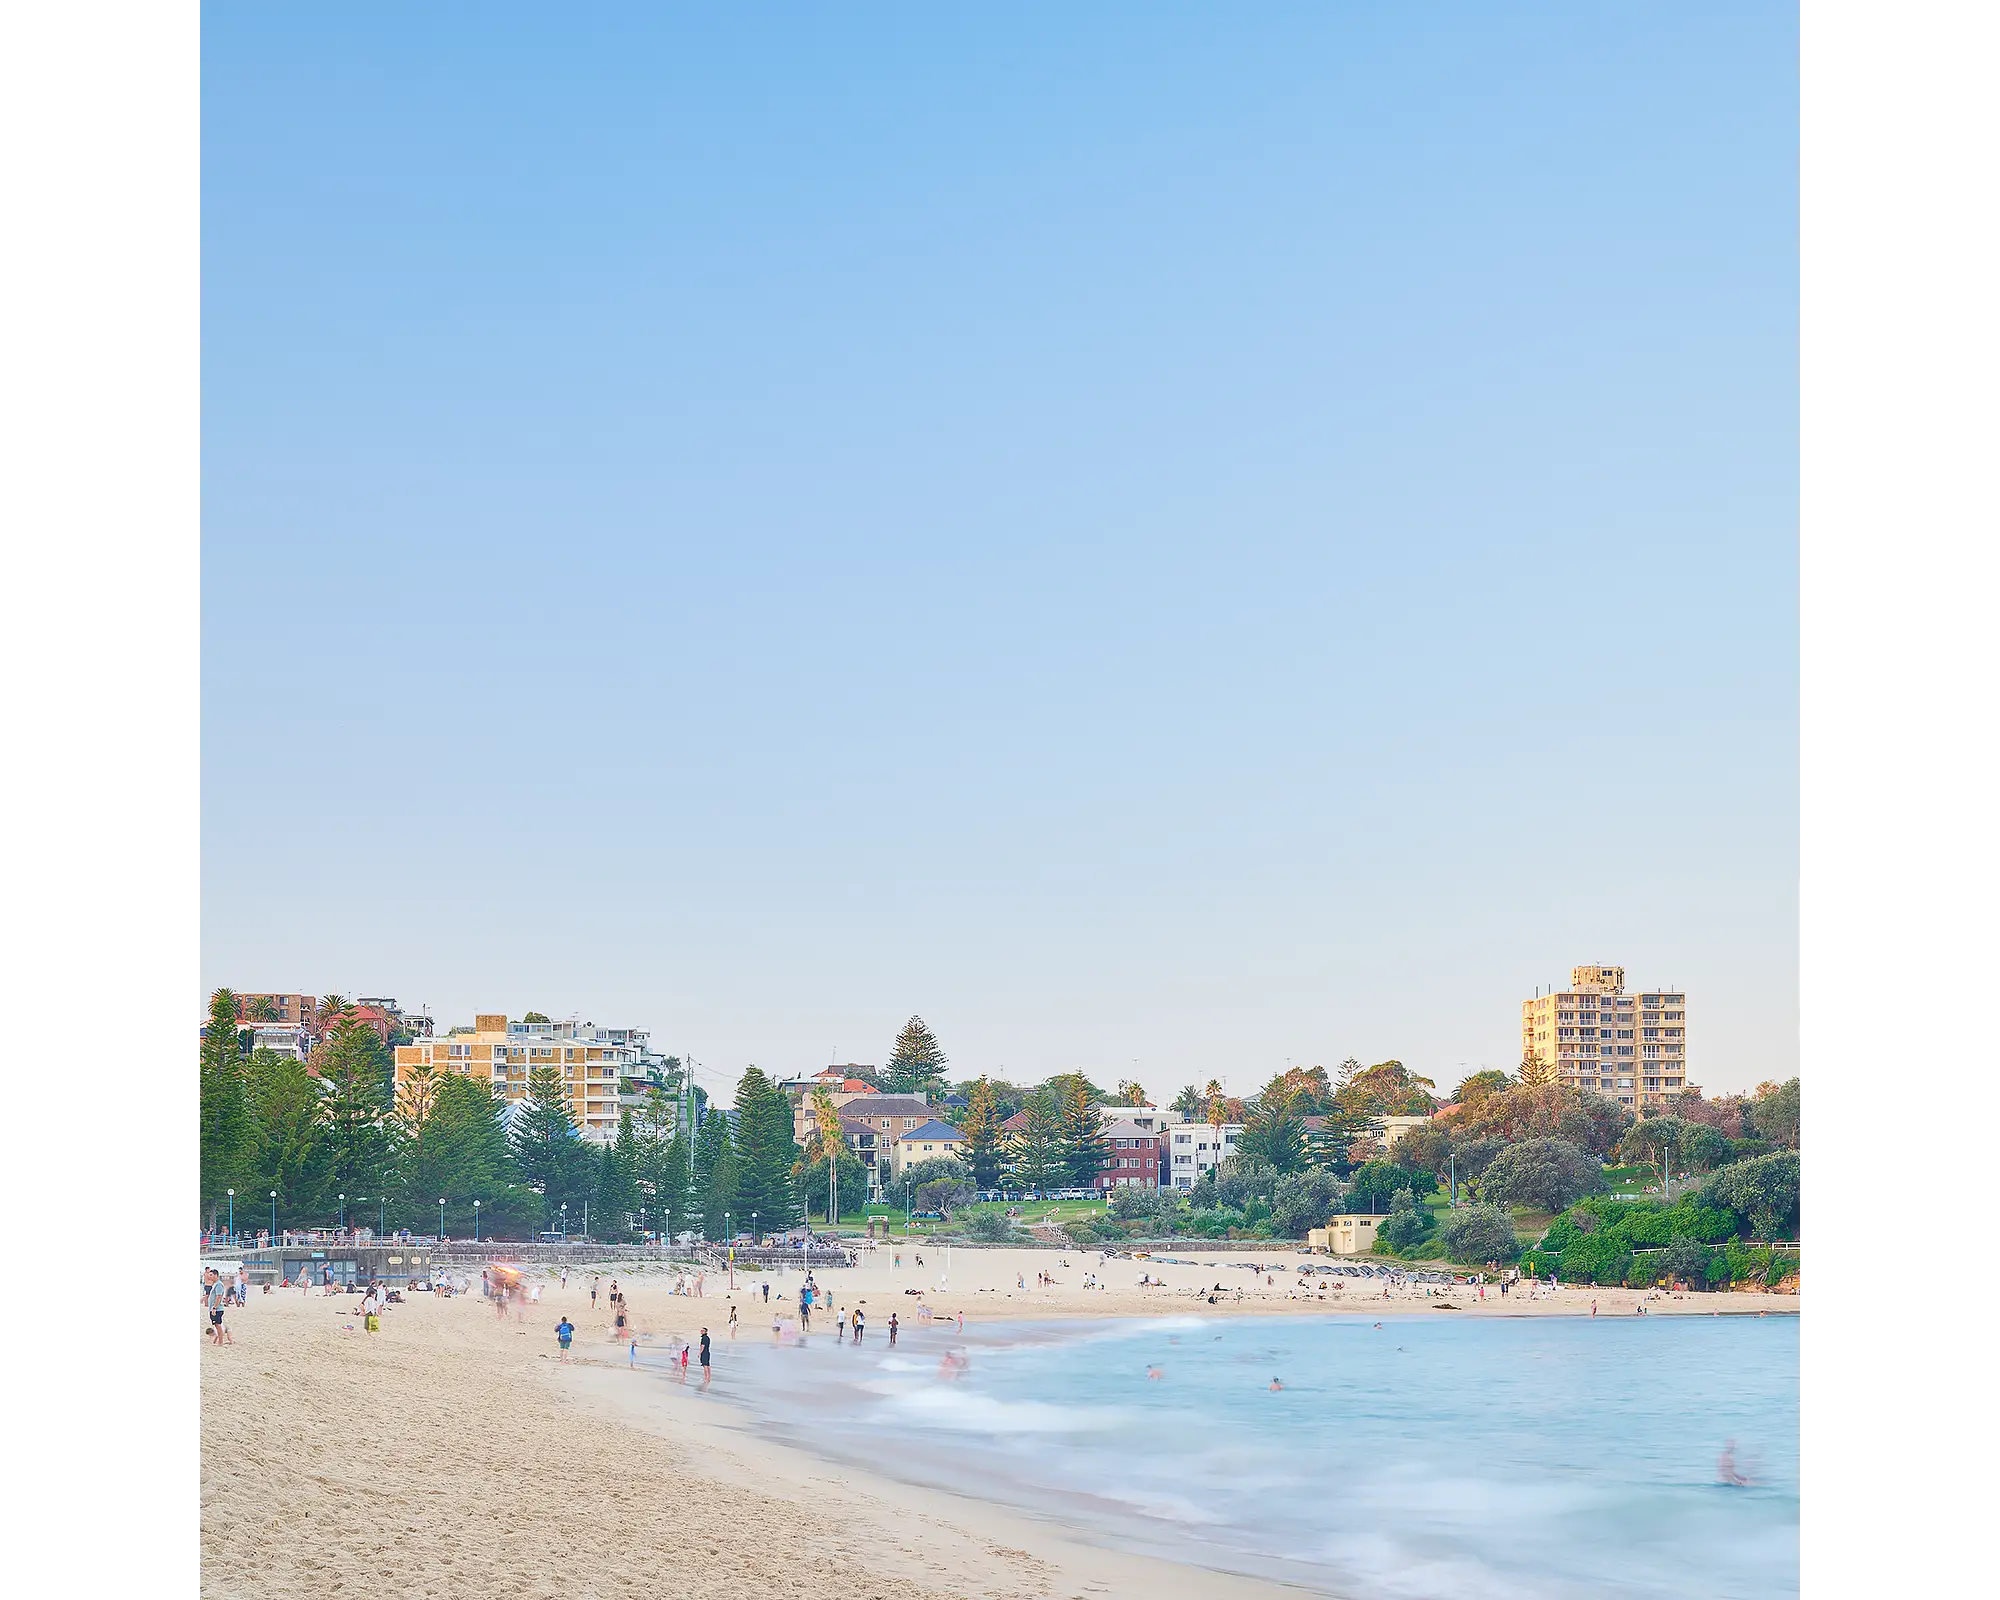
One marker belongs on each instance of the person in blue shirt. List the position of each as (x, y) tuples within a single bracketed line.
[(564, 1333)]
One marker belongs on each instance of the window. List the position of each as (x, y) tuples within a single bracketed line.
[(1625, 1033)]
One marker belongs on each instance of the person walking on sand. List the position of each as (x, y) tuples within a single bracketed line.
[(593, 1294), (860, 1324), (732, 1322), (565, 1331), (218, 1298), (704, 1358), (892, 1330)]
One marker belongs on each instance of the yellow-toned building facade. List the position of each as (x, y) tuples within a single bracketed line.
[(1632, 1047), (502, 1056)]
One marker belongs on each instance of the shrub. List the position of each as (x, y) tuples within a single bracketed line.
[(1212, 1222), (1242, 1179), (1132, 1205), (1685, 1258), (1550, 1174), (1477, 1233), (990, 1227), (1643, 1273), (1404, 1229)]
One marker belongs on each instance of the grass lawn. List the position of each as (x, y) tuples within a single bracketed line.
[(1032, 1211)]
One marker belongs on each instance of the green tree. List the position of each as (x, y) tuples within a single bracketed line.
[(1703, 1149), (1331, 1141), (1478, 1234), (712, 1199), (765, 1154), (981, 1127), (419, 1174), (292, 1154), (466, 1136), (228, 1133), (349, 1061), (850, 1178), (917, 1063), (1479, 1085), (1408, 1222), (1273, 1131), (1387, 1089), (1373, 1187), (1132, 1093), (664, 1157), (534, 1016), (1764, 1191), (549, 1152), (1080, 1133), (1037, 1157), (1552, 1111), (617, 1198), (1425, 1148), (1774, 1114), (1188, 1103), (1549, 1174), (1302, 1201), (1684, 1258)]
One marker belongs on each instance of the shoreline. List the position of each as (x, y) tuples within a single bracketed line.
[(951, 1536), (454, 1449)]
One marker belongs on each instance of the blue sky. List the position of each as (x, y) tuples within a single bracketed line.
[(1174, 535)]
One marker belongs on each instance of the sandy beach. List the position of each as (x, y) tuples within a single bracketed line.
[(454, 1451)]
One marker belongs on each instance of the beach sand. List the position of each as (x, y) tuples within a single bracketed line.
[(452, 1454)]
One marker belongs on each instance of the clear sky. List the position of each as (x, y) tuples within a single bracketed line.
[(1189, 535)]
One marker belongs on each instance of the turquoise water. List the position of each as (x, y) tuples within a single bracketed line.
[(1428, 1457)]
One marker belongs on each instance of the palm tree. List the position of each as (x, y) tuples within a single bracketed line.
[(824, 1140), (1216, 1117), (330, 1008)]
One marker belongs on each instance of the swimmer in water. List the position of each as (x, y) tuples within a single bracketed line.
[(1154, 1374), (1276, 1386), (1726, 1470)]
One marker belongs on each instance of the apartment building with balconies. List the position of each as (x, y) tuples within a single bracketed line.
[(1631, 1047), (591, 1061)]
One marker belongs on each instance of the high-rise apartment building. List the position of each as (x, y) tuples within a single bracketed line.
[(591, 1060), (1632, 1047)]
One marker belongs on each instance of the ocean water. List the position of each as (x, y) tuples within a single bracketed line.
[(1426, 1458)]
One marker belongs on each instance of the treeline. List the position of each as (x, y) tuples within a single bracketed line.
[(295, 1137)]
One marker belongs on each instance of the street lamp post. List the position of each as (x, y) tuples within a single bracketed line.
[(440, 1219), (343, 1213), (382, 1216), (562, 1221), (475, 1222), (232, 1216), (274, 1217), (753, 1227)]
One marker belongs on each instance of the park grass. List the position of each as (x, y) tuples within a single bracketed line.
[(1032, 1211)]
